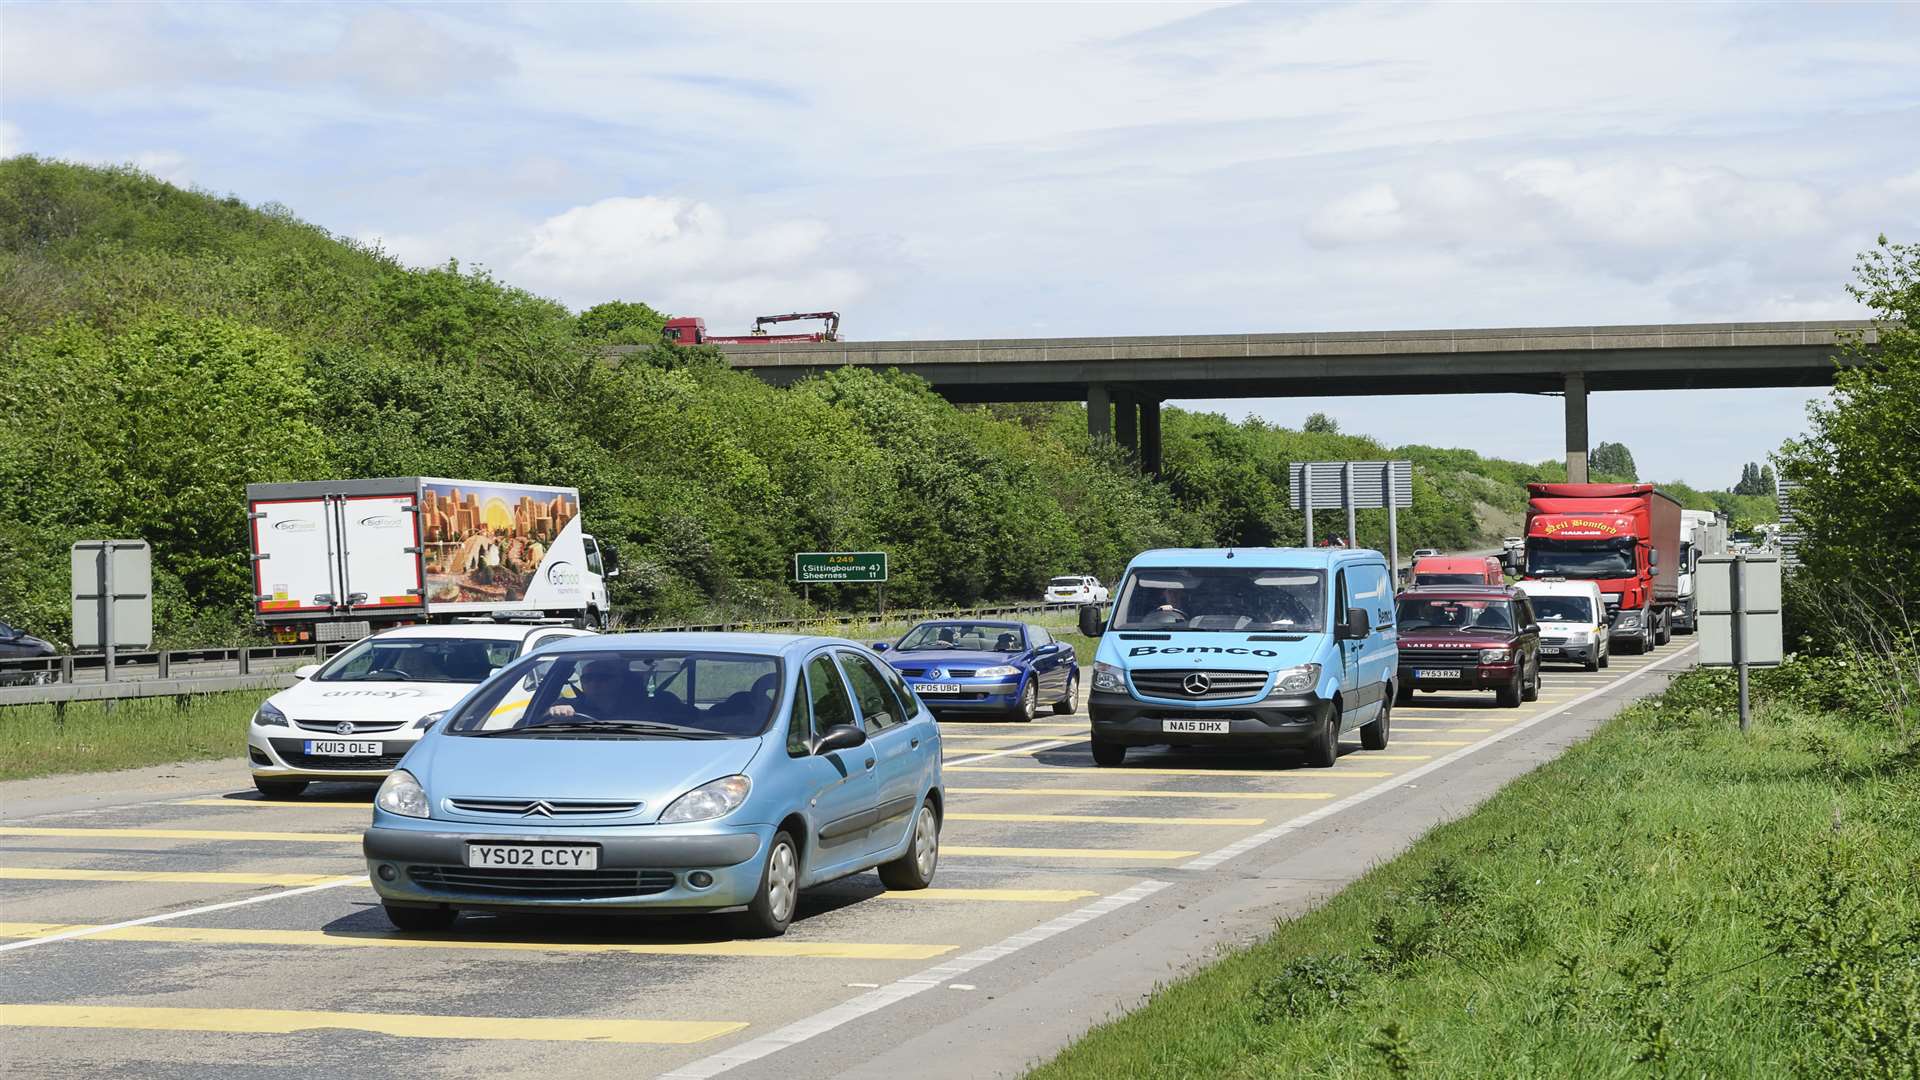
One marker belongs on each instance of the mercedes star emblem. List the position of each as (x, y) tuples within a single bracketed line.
[(1197, 683)]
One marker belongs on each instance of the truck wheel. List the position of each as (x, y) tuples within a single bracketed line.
[(1509, 696), (1108, 755), (1374, 736), (279, 789), (1325, 751), (1665, 633)]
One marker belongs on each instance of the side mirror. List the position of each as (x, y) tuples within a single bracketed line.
[(1355, 627), (305, 671), (1530, 628), (610, 559), (1091, 624), (881, 646), (840, 737), (1653, 558)]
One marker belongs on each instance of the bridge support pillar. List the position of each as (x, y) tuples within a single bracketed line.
[(1150, 436), (1126, 424), (1099, 412), (1576, 427)]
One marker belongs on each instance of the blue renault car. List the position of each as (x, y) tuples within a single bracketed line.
[(990, 667), (1260, 648), (717, 772)]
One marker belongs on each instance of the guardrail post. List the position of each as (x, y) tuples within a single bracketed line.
[(246, 657), (162, 665), (66, 667)]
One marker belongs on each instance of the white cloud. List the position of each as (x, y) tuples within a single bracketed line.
[(11, 141), (168, 165)]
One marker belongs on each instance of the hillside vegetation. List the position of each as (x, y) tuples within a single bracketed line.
[(162, 348)]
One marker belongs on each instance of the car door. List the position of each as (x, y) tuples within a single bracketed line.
[(1045, 661), (840, 785), (1529, 640), (884, 716)]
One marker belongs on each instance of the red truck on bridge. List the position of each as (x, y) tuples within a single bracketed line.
[(692, 330), (1624, 538)]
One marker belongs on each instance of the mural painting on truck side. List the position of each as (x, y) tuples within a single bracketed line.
[(484, 543)]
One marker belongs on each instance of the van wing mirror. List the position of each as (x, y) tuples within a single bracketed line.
[(1356, 626), (1091, 624)]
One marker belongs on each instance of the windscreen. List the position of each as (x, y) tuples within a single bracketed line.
[(1580, 558), (1253, 599), (1065, 583), (1574, 609), (1450, 579), (641, 694), (434, 660), (970, 636), (1422, 613)]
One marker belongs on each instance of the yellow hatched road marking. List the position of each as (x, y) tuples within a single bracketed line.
[(1020, 896), (1118, 793), (1081, 726), (1065, 852), (1098, 819), (182, 877), (189, 834), (1395, 757), (278, 804), (1077, 770), (405, 1025), (994, 737), (784, 947), (1430, 742)]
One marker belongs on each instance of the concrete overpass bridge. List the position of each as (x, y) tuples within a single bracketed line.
[(1124, 379)]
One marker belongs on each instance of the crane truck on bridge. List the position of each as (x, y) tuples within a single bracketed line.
[(692, 330), (1624, 538)]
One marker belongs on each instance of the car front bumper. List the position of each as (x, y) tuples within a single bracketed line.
[(1123, 720), (1471, 677), (425, 865), (982, 695), (278, 753)]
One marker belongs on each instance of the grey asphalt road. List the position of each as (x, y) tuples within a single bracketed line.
[(167, 923)]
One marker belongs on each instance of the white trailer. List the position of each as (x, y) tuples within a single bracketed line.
[(1703, 534), (333, 560)]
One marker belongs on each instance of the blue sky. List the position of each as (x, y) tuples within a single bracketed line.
[(1035, 170)]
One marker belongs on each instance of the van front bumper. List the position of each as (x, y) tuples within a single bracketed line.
[(1122, 720)]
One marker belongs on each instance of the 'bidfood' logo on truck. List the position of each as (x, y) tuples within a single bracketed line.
[(563, 576), (1582, 524), (381, 521), (295, 525)]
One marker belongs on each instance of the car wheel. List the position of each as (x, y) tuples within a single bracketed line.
[(279, 789), (1510, 695), (914, 870), (1108, 755), (773, 906), (1374, 736), (1066, 705), (1029, 702), (1403, 695), (1531, 691), (420, 919), (1325, 750)]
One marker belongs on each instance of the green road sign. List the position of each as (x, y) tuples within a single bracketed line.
[(825, 567)]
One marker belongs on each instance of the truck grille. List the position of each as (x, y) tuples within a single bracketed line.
[(543, 807), (1218, 685), (543, 884)]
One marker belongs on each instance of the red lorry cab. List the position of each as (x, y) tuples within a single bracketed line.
[(1624, 538), (1458, 570)]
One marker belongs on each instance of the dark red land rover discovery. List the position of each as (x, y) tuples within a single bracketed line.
[(1464, 637)]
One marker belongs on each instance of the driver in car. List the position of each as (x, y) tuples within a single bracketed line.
[(601, 691)]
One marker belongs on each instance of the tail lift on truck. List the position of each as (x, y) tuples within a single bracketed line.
[(1624, 538), (335, 560)]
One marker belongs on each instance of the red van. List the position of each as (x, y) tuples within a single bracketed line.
[(1458, 570)]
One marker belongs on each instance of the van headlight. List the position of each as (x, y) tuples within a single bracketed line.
[(1109, 678), (401, 794), (1296, 680), (715, 798), (268, 716)]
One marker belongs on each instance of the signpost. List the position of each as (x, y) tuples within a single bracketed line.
[(1351, 486), (1739, 615), (842, 568), (112, 596)]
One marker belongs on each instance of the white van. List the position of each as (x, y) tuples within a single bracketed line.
[(1573, 621)]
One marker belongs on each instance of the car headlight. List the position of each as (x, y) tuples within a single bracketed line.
[(268, 716), (715, 798), (1493, 656), (401, 794), (429, 720), (1108, 677), (998, 671), (1296, 680)]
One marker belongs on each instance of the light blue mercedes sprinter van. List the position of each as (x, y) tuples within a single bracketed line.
[(1262, 648)]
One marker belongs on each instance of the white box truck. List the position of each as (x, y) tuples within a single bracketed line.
[(334, 560), (1702, 534)]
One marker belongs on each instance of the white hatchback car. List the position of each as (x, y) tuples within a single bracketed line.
[(355, 716), (1075, 590)]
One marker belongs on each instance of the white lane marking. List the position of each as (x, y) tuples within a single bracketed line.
[(1242, 846), (901, 989), (1012, 750), (89, 931)]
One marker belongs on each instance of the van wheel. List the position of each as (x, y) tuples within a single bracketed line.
[(773, 906), (1374, 736), (1531, 691), (914, 870), (1593, 662), (279, 789), (1510, 696), (1325, 750), (1108, 755), (420, 919), (1606, 657), (1066, 705)]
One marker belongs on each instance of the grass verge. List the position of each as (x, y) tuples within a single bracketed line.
[(1667, 898), (98, 736)]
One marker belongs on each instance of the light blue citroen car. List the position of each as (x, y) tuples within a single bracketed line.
[(716, 772)]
